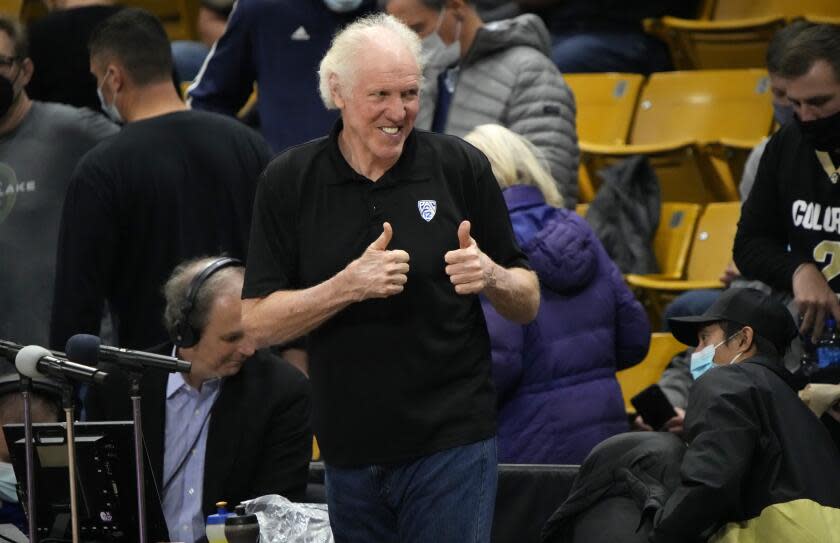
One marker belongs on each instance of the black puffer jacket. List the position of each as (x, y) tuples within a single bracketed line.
[(625, 214), (622, 484)]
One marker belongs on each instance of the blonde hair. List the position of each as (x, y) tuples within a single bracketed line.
[(515, 160), (341, 60)]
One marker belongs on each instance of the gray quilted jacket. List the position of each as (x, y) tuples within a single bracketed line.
[(508, 78)]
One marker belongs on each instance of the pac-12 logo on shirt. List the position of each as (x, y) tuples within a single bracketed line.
[(427, 209)]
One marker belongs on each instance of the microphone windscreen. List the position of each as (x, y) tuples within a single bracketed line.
[(27, 359), (83, 349)]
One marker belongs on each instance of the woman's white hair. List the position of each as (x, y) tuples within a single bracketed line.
[(515, 160), (341, 60)]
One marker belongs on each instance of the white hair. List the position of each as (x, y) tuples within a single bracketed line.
[(515, 160), (349, 44)]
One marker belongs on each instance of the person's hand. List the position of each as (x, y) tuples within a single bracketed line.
[(834, 411), (640, 424), (730, 274), (378, 273), (815, 300), (468, 268), (675, 424)]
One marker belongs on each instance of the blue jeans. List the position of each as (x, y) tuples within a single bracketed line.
[(445, 497), (609, 51)]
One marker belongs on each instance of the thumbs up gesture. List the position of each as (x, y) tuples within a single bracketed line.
[(468, 268), (379, 272)]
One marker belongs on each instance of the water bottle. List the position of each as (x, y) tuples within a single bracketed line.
[(242, 527), (828, 348), (808, 362), (215, 528)]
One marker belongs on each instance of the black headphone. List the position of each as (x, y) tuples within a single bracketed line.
[(46, 387), (186, 335)]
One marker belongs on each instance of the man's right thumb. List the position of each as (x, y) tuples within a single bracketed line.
[(381, 243)]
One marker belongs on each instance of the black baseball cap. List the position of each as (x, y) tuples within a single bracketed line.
[(747, 307)]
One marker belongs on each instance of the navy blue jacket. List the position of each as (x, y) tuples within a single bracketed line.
[(278, 44)]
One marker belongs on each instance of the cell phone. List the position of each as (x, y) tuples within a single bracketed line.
[(653, 406)]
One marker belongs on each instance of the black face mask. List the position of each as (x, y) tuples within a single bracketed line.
[(7, 96), (823, 134)]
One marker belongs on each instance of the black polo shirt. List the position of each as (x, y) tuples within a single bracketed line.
[(396, 378)]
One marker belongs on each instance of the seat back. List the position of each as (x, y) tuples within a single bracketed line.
[(663, 347), (672, 241), (711, 251), (719, 45), (745, 9), (179, 17), (11, 8), (605, 105), (703, 105)]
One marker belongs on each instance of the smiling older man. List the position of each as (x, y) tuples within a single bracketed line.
[(403, 404)]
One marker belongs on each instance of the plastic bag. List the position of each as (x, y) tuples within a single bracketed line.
[(282, 521)]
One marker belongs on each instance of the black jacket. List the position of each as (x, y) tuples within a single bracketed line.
[(625, 214), (259, 440), (754, 451), (620, 486)]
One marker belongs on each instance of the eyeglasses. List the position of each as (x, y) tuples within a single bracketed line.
[(8, 62)]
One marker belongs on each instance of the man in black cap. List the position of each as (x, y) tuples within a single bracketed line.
[(756, 455)]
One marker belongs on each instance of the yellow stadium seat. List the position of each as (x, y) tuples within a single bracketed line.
[(672, 239), (711, 45), (710, 254), (605, 105), (179, 17), (790, 9), (663, 347), (11, 8), (687, 122), (734, 33)]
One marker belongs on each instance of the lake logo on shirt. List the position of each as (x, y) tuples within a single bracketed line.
[(10, 187), (427, 209)]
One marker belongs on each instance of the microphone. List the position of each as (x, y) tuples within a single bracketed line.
[(33, 361), (9, 350), (89, 349)]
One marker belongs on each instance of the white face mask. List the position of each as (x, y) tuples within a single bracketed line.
[(8, 483), (110, 109), (438, 53), (343, 6)]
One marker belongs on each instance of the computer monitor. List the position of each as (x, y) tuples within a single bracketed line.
[(105, 480)]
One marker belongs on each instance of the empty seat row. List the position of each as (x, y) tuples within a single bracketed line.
[(696, 127), (735, 33)]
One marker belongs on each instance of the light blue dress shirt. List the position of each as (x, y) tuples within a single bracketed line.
[(187, 423)]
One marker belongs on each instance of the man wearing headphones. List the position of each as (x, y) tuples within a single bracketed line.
[(236, 427), (45, 407)]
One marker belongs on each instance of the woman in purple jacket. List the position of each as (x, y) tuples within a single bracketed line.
[(555, 377)]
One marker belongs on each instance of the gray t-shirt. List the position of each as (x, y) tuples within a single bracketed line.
[(36, 161)]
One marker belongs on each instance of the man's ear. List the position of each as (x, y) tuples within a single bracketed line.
[(747, 339), (117, 77), (335, 92), (27, 68)]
